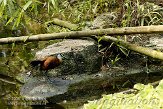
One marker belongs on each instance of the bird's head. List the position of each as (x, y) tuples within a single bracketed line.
[(59, 57)]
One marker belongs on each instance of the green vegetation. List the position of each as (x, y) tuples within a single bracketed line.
[(24, 17), (27, 17), (146, 98), (137, 14)]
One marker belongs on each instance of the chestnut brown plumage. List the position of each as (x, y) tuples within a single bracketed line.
[(44, 65), (49, 62)]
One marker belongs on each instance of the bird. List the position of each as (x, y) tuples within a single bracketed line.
[(49, 62)]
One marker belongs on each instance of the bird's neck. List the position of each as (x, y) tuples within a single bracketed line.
[(59, 57)]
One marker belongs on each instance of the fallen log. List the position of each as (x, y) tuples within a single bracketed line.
[(86, 33), (63, 24)]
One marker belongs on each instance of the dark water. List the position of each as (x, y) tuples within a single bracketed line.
[(14, 59)]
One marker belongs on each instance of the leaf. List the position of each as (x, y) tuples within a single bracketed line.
[(4, 2), (123, 50), (142, 22), (17, 22), (1, 10), (39, 2), (53, 2), (26, 5), (139, 86), (11, 7), (100, 39), (25, 39), (13, 17)]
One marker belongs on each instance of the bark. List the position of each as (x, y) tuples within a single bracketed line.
[(63, 24), (87, 33)]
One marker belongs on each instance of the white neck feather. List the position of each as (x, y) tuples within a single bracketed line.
[(59, 57)]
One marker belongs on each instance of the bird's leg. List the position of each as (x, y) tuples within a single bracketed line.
[(47, 76)]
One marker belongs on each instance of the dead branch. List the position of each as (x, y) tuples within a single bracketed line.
[(143, 50), (87, 33), (63, 24)]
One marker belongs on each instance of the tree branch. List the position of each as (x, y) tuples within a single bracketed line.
[(63, 24), (143, 50), (87, 33)]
